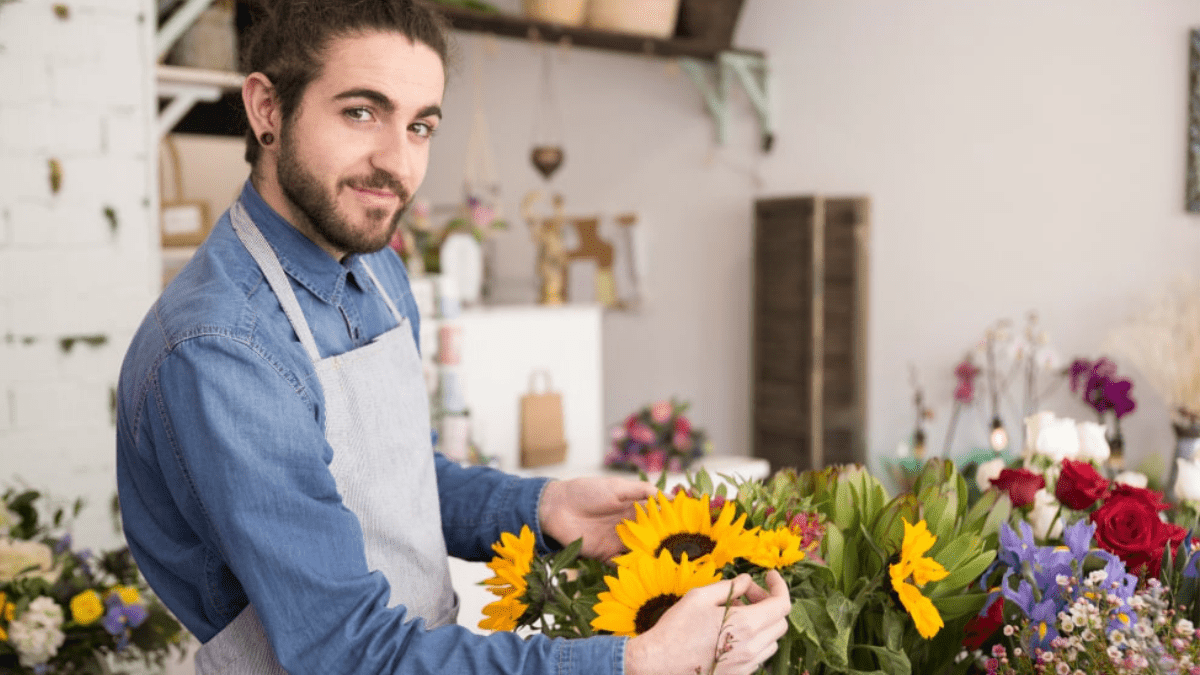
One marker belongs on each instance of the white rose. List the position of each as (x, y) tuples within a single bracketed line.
[(19, 555), (987, 471), (1187, 480), (1052, 437), (1093, 442), (1045, 511), (1132, 478)]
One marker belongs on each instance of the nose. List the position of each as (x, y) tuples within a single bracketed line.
[(399, 156)]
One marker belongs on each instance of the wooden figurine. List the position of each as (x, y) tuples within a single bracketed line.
[(551, 253), (592, 247)]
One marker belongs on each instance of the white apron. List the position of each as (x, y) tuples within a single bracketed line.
[(377, 422)]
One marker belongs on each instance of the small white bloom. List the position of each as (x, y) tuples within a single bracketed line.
[(1187, 479), (1055, 438), (1093, 442), (1062, 579), (1114, 652), (1043, 517), (37, 632), (1132, 478), (987, 471), (1184, 627), (19, 555), (1097, 577)]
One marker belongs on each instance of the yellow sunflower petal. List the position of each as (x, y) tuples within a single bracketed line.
[(502, 615)]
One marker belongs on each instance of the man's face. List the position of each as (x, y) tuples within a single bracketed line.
[(357, 147)]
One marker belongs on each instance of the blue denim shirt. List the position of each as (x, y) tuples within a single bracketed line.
[(224, 481)]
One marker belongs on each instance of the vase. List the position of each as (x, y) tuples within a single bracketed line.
[(1187, 443)]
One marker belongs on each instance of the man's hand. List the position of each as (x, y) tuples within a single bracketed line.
[(591, 508), (697, 630)]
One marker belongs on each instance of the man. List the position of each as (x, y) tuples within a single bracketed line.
[(274, 466)]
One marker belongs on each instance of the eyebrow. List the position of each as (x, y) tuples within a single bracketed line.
[(386, 103)]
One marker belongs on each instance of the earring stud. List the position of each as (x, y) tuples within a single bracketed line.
[(267, 138)]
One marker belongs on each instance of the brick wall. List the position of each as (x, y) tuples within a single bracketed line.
[(79, 261)]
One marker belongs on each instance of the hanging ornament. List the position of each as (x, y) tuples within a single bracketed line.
[(547, 154)]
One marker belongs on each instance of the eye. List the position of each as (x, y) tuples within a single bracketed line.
[(423, 129), (359, 114)]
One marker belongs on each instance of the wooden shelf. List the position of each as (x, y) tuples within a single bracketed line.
[(511, 25)]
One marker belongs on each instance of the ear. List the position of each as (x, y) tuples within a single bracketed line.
[(262, 107)]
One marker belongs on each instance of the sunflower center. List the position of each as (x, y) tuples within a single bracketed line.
[(651, 610), (691, 543)]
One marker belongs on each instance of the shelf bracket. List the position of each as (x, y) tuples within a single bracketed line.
[(751, 71), (179, 22)]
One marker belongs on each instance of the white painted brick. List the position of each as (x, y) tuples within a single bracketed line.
[(5, 227), (23, 176), (108, 70), (20, 268), (27, 79), (56, 223), (98, 179), (6, 414), (22, 360), (125, 132), (51, 128), (34, 316), (5, 318), (46, 404), (27, 30)]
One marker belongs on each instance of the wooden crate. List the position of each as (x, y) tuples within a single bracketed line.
[(708, 21)]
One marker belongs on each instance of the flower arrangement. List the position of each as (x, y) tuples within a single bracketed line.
[(72, 612), (657, 437), (878, 584)]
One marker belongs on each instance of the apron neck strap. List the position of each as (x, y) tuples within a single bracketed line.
[(261, 251)]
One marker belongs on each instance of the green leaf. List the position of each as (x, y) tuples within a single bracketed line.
[(891, 661), (978, 513), (963, 574), (844, 515), (566, 557), (954, 606), (835, 549), (941, 511), (998, 515)]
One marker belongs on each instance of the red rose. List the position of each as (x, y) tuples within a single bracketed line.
[(983, 625), (1020, 484), (1079, 485), (1128, 525)]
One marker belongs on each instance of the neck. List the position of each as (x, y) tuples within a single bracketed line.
[(265, 179)]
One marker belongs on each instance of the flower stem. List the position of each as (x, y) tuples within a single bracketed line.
[(783, 656)]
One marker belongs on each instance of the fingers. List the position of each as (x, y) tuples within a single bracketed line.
[(720, 592), (628, 490)]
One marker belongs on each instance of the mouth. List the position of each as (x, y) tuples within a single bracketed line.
[(375, 196)]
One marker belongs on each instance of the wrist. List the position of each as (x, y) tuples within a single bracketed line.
[(548, 506), (636, 658)]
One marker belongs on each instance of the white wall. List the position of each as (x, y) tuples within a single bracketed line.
[(75, 90)]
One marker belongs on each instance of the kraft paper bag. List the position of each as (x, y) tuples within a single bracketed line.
[(542, 439)]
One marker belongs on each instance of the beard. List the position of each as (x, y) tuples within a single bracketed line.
[(319, 207)]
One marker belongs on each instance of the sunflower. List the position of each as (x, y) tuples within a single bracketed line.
[(914, 565), (511, 564), (646, 588), (503, 614), (777, 549), (685, 525)]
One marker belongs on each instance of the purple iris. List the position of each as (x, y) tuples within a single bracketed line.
[(121, 618), (1042, 614)]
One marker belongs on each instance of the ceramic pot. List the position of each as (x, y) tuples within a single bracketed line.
[(651, 18), (566, 12), (1187, 443)]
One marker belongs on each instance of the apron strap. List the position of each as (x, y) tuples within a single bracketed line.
[(379, 287), (261, 251)]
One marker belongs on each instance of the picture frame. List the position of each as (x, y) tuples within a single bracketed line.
[(1192, 188)]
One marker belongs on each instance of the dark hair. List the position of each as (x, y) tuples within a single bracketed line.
[(287, 40)]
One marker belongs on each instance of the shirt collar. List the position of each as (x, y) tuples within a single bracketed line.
[(300, 257)]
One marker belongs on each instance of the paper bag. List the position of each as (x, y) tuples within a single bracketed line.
[(542, 439)]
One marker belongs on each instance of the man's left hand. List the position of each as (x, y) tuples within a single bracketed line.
[(591, 508)]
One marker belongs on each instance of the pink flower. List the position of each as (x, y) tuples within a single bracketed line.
[(966, 373), (682, 441), (656, 460), (661, 412), (482, 216), (618, 434), (682, 426), (641, 433)]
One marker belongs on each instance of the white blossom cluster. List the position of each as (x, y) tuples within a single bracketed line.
[(37, 632)]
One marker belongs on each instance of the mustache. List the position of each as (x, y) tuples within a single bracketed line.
[(379, 180)]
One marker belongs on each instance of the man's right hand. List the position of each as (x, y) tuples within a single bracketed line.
[(697, 630)]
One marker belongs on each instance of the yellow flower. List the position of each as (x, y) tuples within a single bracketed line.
[(128, 594), (511, 563), (921, 570), (777, 549), (86, 607), (7, 610), (503, 614), (685, 525), (646, 588)]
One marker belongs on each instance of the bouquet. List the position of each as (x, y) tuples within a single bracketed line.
[(72, 612), (877, 584), (658, 437)]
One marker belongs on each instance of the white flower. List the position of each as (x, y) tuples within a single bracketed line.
[(1187, 480), (1093, 443), (20, 555), (1044, 512), (37, 633), (1055, 438), (1184, 627), (987, 471), (1132, 478)]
